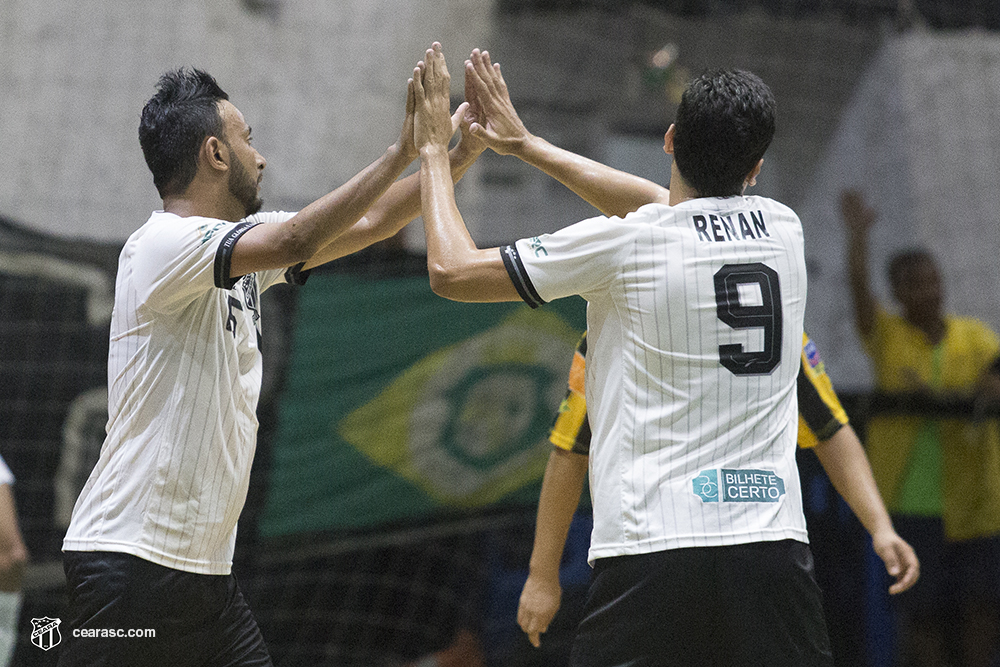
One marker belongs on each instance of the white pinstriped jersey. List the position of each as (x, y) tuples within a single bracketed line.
[(694, 322), (184, 377)]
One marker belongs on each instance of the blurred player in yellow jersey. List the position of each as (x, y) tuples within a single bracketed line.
[(823, 427)]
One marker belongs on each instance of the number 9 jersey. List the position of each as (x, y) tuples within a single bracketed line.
[(694, 318)]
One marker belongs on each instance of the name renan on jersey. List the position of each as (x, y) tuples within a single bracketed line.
[(714, 228)]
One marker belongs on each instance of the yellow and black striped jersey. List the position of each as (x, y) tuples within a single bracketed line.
[(820, 411), (571, 430)]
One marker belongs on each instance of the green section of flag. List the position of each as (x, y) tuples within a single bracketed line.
[(399, 404)]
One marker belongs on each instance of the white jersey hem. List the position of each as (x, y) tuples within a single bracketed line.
[(691, 541), (159, 558)]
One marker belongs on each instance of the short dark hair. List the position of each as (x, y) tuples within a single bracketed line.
[(724, 124), (174, 123), (904, 260)]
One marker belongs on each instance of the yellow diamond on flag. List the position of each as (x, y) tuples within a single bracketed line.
[(468, 423)]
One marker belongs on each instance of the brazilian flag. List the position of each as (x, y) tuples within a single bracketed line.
[(400, 405)]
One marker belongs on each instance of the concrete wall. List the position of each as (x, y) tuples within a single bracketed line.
[(322, 84)]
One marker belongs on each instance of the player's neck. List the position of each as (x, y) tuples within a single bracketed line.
[(933, 327), (680, 191), (197, 201)]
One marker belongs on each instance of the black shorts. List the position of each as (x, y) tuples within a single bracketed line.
[(116, 599), (747, 605)]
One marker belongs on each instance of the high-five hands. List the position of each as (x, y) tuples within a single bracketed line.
[(433, 124), (498, 124), (405, 142)]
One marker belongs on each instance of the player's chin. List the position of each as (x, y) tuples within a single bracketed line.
[(254, 207)]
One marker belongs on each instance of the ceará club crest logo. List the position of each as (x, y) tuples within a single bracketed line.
[(45, 632)]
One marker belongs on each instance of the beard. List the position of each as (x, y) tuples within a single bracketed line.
[(243, 187)]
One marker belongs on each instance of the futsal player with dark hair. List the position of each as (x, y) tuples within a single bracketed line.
[(695, 321), (823, 427), (151, 539)]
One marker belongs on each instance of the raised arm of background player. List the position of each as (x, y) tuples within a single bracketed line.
[(611, 191), (858, 220), (823, 426)]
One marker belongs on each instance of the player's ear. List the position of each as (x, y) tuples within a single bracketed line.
[(751, 178), (668, 140), (215, 153)]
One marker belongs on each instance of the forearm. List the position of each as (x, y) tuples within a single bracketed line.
[(987, 401), (324, 220), (448, 240), (988, 387), (300, 238), (611, 191), (401, 202), (13, 553), (399, 206), (458, 269), (844, 460), (858, 279), (561, 488)]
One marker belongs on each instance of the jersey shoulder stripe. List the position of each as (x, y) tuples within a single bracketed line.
[(296, 276), (522, 283), (224, 256)]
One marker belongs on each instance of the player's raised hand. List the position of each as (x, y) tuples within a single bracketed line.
[(405, 143), (433, 124), (470, 114), (540, 600), (858, 216), (498, 123)]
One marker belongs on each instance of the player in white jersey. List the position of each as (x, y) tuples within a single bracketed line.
[(823, 427), (695, 311), (150, 544)]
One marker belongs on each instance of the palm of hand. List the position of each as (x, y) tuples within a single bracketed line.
[(501, 125), (501, 122), (468, 138), (494, 112)]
